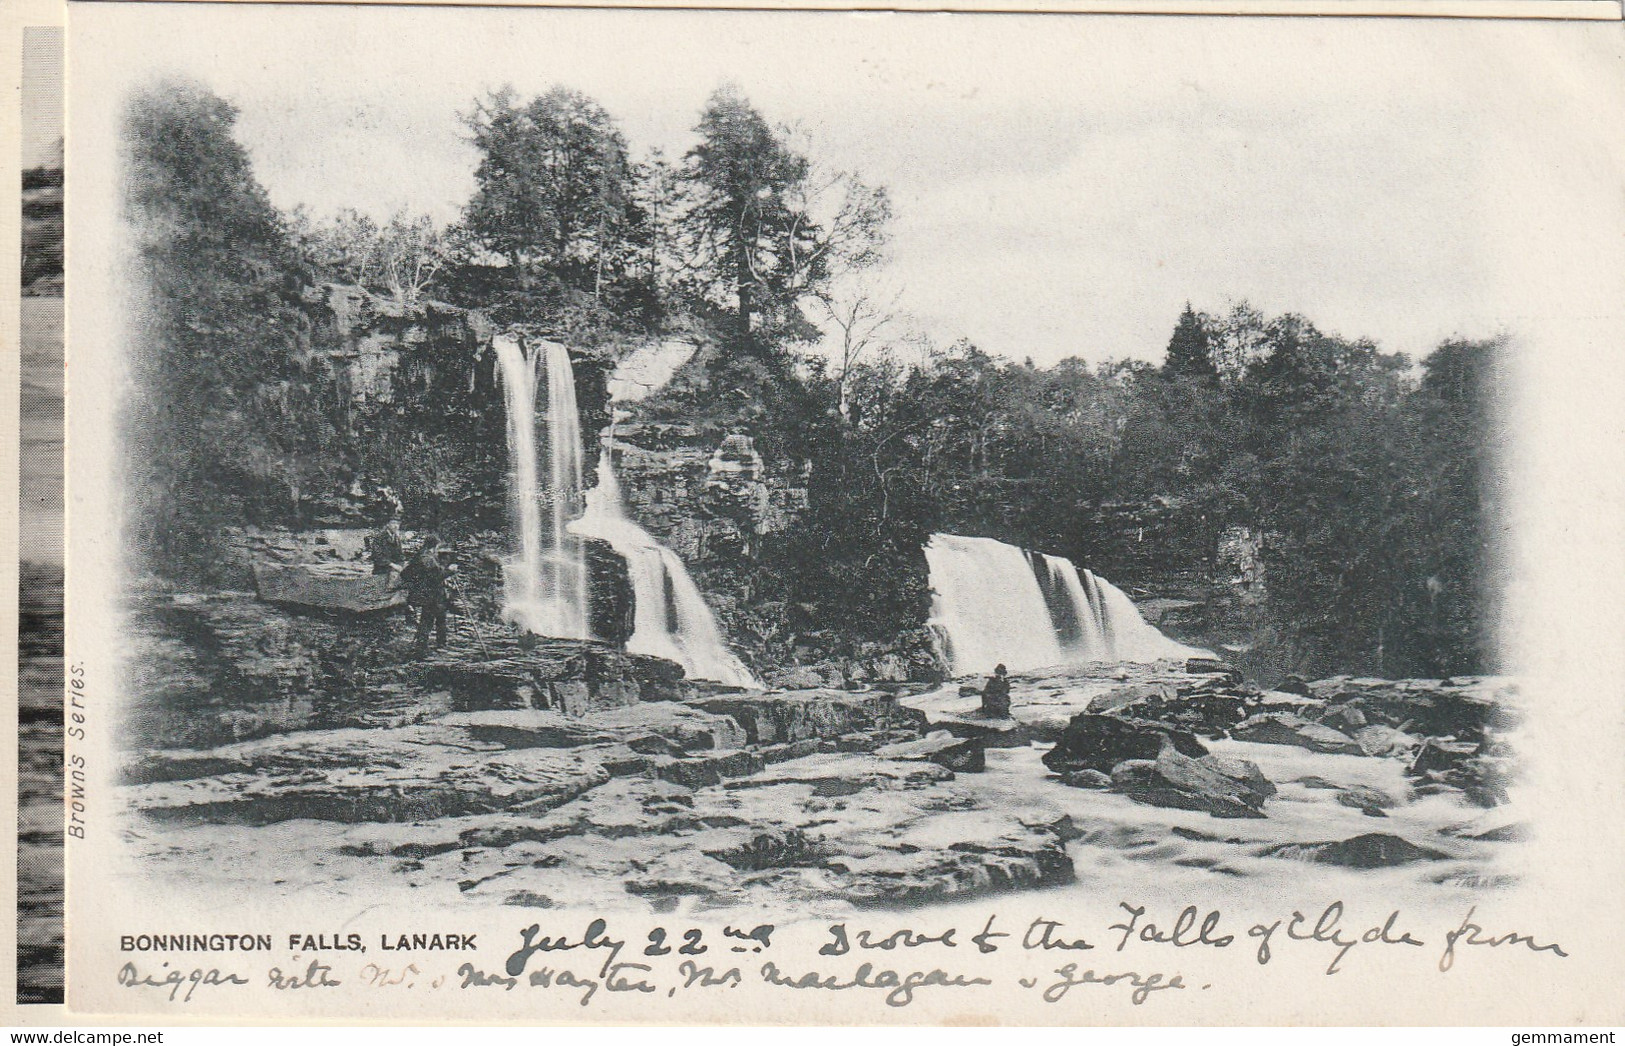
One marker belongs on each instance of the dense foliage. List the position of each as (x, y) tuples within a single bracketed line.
[(225, 424), (1368, 477), (1374, 489)]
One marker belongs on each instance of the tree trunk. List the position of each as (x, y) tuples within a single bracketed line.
[(742, 280)]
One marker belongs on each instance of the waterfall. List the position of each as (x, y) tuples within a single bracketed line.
[(994, 603), (545, 585), (670, 616)]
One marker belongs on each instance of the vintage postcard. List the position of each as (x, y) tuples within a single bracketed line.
[(824, 517)]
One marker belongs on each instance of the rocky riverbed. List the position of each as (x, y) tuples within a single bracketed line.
[(548, 773)]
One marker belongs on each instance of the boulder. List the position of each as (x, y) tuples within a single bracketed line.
[(1347, 717), (1370, 801), (326, 590), (1218, 786), (1208, 714), (1086, 779), (963, 755), (1373, 850), (1213, 666), (1494, 827), (1380, 740), (1284, 728), (1480, 771), (1294, 684), (1130, 695), (1101, 742), (1439, 755), (798, 715)]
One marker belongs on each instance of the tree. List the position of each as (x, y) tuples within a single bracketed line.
[(657, 197), (852, 220), (221, 423), (1235, 339), (860, 316), (1189, 350), (400, 260), (552, 189), (743, 233)]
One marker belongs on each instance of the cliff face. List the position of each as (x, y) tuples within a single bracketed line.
[(713, 501), (1200, 584), (710, 501), (416, 397), (707, 464)]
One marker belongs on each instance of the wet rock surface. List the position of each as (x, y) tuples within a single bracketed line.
[(1287, 728), (1374, 850), (534, 773), (1218, 786), (1101, 742)]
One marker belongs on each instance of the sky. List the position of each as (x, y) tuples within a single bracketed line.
[(1063, 186), (41, 96)]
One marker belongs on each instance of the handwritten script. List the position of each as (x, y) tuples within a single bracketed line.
[(1136, 953)]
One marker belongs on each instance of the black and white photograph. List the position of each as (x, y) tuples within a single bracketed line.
[(39, 543), (778, 474)]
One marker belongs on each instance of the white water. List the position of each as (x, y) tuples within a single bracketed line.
[(990, 604), (670, 618), (545, 586)]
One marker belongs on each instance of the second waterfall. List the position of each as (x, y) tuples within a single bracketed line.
[(672, 618)]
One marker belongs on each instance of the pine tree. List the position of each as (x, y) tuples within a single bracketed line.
[(1190, 351), (746, 239)]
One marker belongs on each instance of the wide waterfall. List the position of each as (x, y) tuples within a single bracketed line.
[(995, 603), (670, 617), (545, 585)]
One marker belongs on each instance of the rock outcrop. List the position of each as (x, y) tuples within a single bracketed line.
[(1218, 786), (208, 670), (1373, 850), (1101, 742)]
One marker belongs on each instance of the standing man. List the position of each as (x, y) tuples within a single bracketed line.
[(386, 549), (425, 581)]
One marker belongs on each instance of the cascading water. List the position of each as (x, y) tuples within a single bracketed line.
[(670, 616), (994, 603), (545, 586)]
